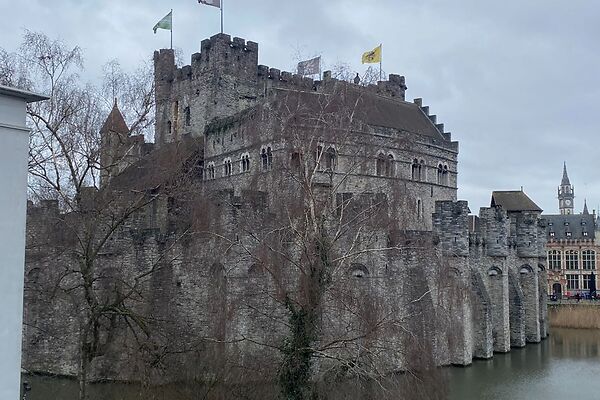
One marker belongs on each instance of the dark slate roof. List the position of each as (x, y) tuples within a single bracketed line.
[(571, 227), (115, 122), (513, 200), (565, 177), (370, 108)]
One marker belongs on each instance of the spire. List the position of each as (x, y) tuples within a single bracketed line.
[(115, 122), (585, 209), (565, 178)]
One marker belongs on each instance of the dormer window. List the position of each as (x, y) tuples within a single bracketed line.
[(550, 224), (568, 234), (566, 223), (585, 234), (551, 234), (583, 223)]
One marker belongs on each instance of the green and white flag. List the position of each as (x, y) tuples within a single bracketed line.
[(165, 23)]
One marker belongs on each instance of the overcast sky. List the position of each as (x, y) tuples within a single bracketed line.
[(516, 82)]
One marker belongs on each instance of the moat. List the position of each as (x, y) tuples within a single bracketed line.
[(564, 366)]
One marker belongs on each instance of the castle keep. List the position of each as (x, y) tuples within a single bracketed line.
[(253, 172)]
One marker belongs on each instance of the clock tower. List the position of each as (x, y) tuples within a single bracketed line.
[(566, 194)]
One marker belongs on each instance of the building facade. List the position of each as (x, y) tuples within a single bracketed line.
[(572, 247), (245, 157)]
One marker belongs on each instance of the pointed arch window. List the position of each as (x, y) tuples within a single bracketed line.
[(245, 162), (227, 167)]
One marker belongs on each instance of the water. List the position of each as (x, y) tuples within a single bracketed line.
[(564, 366)]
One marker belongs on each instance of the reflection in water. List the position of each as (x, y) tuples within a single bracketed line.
[(565, 366)]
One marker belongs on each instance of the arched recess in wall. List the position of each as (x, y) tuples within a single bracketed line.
[(494, 272), (359, 271), (541, 268), (525, 270)]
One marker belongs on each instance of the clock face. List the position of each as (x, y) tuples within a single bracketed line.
[(568, 202)]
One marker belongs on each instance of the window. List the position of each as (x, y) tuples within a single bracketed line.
[(227, 168), (380, 164), (588, 259), (331, 159), (445, 179), (245, 162), (389, 165), (566, 223), (210, 171), (422, 171), (572, 259), (586, 281), (419, 209), (266, 157), (568, 234), (296, 162), (585, 234), (572, 281), (263, 158), (554, 259), (415, 170), (551, 234), (318, 155), (186, 112), (169, 128), (440, 174)]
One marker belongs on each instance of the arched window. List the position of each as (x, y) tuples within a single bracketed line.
[(588, 259), (245, 162), (419, 209), (264, 159), (227, 168), (389, 165), (554, 259), (422, 171), (440, 174), (210, 170), (494, 271), (380, 164), (330, 159), (415, 170), (169, 126), (525, 270), (445, 179)]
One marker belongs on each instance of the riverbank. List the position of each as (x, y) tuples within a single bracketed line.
[(573, 314)]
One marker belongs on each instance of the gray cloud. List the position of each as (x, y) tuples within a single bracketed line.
[(514, 81)]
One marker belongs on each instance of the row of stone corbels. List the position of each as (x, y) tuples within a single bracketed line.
[(433, 118)]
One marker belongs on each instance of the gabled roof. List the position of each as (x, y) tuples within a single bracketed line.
[(513, 200), (115, 122)]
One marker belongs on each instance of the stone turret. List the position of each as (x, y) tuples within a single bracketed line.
[(114, 138), (566, 194)]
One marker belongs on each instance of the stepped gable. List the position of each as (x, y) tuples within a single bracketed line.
[(513, 200), (115, 122)]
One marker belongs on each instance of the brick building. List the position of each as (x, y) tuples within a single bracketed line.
[(572, 247)]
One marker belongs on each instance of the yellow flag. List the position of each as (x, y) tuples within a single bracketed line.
[(373, 56)]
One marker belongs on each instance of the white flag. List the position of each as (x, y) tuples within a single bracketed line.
[(310, 67), (214, 3)]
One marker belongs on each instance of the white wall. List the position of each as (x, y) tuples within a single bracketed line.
[(13, 202)]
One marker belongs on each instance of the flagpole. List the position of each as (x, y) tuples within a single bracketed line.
[(222, 1), (171, 29), (380, 59)]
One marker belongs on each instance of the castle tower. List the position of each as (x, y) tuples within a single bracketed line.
[(114, 139), (566, 194)]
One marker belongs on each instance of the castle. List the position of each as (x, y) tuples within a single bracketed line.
[(252, 166)]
